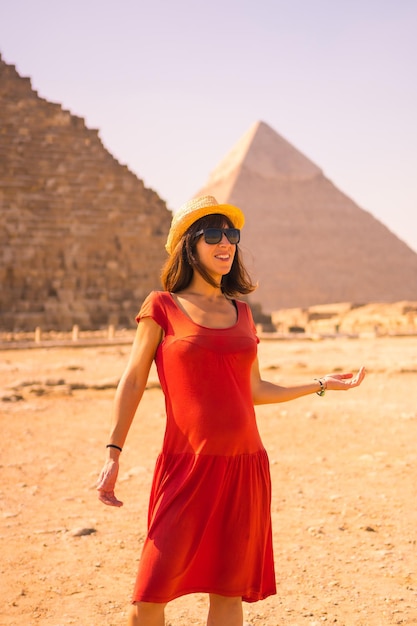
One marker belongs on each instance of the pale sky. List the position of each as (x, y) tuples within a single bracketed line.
[(173, 85)]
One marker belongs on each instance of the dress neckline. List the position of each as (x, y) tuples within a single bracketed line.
[(185, 314)]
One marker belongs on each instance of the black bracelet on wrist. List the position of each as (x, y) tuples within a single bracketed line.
[(322, 390), (112, 445)]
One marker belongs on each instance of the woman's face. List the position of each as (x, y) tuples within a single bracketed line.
[(216, 258)]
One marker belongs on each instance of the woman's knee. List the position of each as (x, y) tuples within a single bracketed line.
[(147, 613), (225, 610), (229, 601)]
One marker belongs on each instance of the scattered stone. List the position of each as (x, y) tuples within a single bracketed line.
[(82, 532), (14, 397)]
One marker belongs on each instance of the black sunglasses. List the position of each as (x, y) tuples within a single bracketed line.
[(215, 235)]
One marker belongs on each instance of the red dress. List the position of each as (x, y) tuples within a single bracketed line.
[(209, 522)]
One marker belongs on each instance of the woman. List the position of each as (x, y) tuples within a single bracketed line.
[(209, 523)]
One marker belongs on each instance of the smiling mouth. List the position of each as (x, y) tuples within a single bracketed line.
[(222, 257)]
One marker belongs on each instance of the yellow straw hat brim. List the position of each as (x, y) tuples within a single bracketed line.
[(193, 210)]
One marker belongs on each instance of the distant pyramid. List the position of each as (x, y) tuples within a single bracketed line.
[(304, 240)]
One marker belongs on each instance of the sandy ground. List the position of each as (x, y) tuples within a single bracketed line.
[(344, 488)]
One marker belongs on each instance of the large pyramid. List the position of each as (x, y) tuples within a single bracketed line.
[(81, 238), (304, 240)]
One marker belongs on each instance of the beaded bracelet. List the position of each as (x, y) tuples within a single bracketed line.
[(112, 445), (322, 387)]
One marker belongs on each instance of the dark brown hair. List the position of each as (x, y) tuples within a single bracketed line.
[(178, 270)]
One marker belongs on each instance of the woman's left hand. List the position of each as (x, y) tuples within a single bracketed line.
[(343, 382)]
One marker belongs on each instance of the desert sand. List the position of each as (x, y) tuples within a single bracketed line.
[(344, 488)]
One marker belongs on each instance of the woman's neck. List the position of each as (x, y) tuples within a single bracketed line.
[(200, 287)]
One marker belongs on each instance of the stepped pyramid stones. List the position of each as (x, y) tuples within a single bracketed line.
[(305, 241), (81, 238)]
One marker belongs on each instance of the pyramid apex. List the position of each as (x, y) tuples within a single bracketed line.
[(262, 151)]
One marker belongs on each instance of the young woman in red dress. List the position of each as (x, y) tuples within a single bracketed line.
[(209, 523)]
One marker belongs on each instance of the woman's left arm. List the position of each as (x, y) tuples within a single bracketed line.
[(265, 392)]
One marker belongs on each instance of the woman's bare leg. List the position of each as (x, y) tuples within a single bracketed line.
[(147, 614), (225, 611)]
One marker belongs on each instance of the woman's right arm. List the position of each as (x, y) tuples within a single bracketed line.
[(128, 395)]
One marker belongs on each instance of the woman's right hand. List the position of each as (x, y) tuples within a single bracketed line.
[(107, 482), (129, 392)]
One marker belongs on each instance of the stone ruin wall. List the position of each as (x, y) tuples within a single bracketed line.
[(81, 238), (396, 318)]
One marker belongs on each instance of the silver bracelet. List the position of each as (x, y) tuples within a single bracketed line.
[(322, 387)]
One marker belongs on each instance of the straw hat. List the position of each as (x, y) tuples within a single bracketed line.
[(191, 211)]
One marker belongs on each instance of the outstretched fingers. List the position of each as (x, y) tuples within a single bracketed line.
[(345, 381), (359, 377)]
